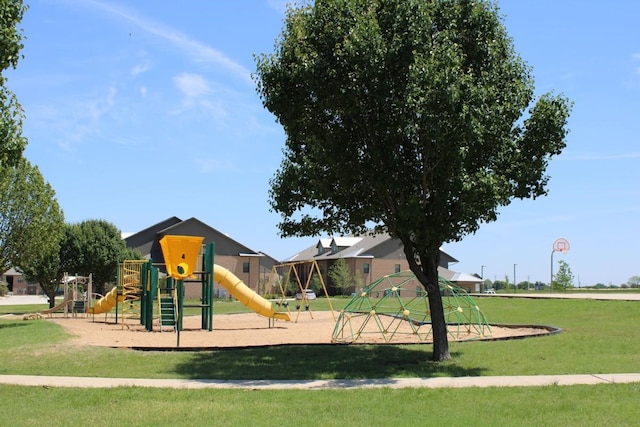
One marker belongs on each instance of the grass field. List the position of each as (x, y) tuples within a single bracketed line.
[(597, 337)]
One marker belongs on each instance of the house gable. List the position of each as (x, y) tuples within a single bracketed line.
[(147, 241)]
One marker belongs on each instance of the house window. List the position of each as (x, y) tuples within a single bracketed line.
[(365, 268), (397, 268), (245, 267)]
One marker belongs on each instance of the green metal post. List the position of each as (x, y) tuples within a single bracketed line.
[(209, 254), (152, 289), (144, 279), (180, 293)]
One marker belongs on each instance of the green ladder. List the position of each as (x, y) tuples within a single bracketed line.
[(167, 311)]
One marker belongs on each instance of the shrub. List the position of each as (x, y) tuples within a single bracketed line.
[(4, 288)]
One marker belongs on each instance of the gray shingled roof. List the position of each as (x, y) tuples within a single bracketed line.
[(347, 247)]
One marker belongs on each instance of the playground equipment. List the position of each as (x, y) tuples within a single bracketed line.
[(126, 293), (63, 305), (297, 275), (140, 287), (77, 291), (106, 303), (395, 308), (184, 265), (245, 295)]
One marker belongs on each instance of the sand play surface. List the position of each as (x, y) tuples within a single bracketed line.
[(234, 330)]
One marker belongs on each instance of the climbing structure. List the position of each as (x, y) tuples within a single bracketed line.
[(395, 309), (129, 289)]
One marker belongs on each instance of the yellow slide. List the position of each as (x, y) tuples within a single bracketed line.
[(245, 295), (106, 303)]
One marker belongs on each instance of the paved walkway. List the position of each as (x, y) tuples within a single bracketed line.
[(23, 299), (458, 382)]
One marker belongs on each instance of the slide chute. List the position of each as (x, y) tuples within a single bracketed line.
[(245, 295)]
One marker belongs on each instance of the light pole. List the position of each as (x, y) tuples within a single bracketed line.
[(560, 245), (482, 277), (515, 284)]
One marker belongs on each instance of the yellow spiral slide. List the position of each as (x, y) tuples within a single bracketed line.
[(106, 303)]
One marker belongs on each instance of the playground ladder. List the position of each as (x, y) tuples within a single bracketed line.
[(167, 311)]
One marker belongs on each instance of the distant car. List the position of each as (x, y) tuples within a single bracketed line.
[(490, 292), (309, 293)]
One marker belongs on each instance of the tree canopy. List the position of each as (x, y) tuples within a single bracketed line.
[(12, 143), (93, 247), (31, 221), (416, 117), (564, 277)]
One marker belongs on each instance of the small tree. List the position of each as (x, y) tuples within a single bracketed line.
[(315, 284), (564, 277), (341, 276), (634, 282)]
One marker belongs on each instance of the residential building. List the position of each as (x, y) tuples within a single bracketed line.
[(18, 285), (371, 257)]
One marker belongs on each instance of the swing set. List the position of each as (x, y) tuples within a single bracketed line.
[(298, 278)]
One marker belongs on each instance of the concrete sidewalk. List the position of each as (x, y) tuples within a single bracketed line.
[(458, 382), (23, 299)]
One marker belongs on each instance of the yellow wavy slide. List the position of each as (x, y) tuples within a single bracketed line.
[(245, 295), (106, 303)]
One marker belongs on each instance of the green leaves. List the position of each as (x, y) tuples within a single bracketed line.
[(12, 143), (30, 219), (404, 113)]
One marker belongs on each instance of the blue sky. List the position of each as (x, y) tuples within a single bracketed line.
[(138, 111)]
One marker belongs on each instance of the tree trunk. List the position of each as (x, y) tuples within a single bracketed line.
[(427, 274), (51, 294), (438, 325)]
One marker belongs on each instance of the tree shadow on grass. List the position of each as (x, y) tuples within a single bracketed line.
[(11, 325), (308, 362)]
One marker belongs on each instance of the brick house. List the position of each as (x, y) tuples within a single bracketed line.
[(371, 257)]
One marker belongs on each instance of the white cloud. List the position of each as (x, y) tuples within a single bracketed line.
[(192, 85), (196, 50), (213, 165), (139, 69)]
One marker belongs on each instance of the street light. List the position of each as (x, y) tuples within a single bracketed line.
[(560, 245), (482, 277), (515, 284)]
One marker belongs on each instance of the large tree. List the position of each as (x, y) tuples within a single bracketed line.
[(93, 247), (12, 142), (408, 115), (31, 221)]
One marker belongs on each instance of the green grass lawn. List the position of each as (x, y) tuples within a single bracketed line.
[(596, 337)]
